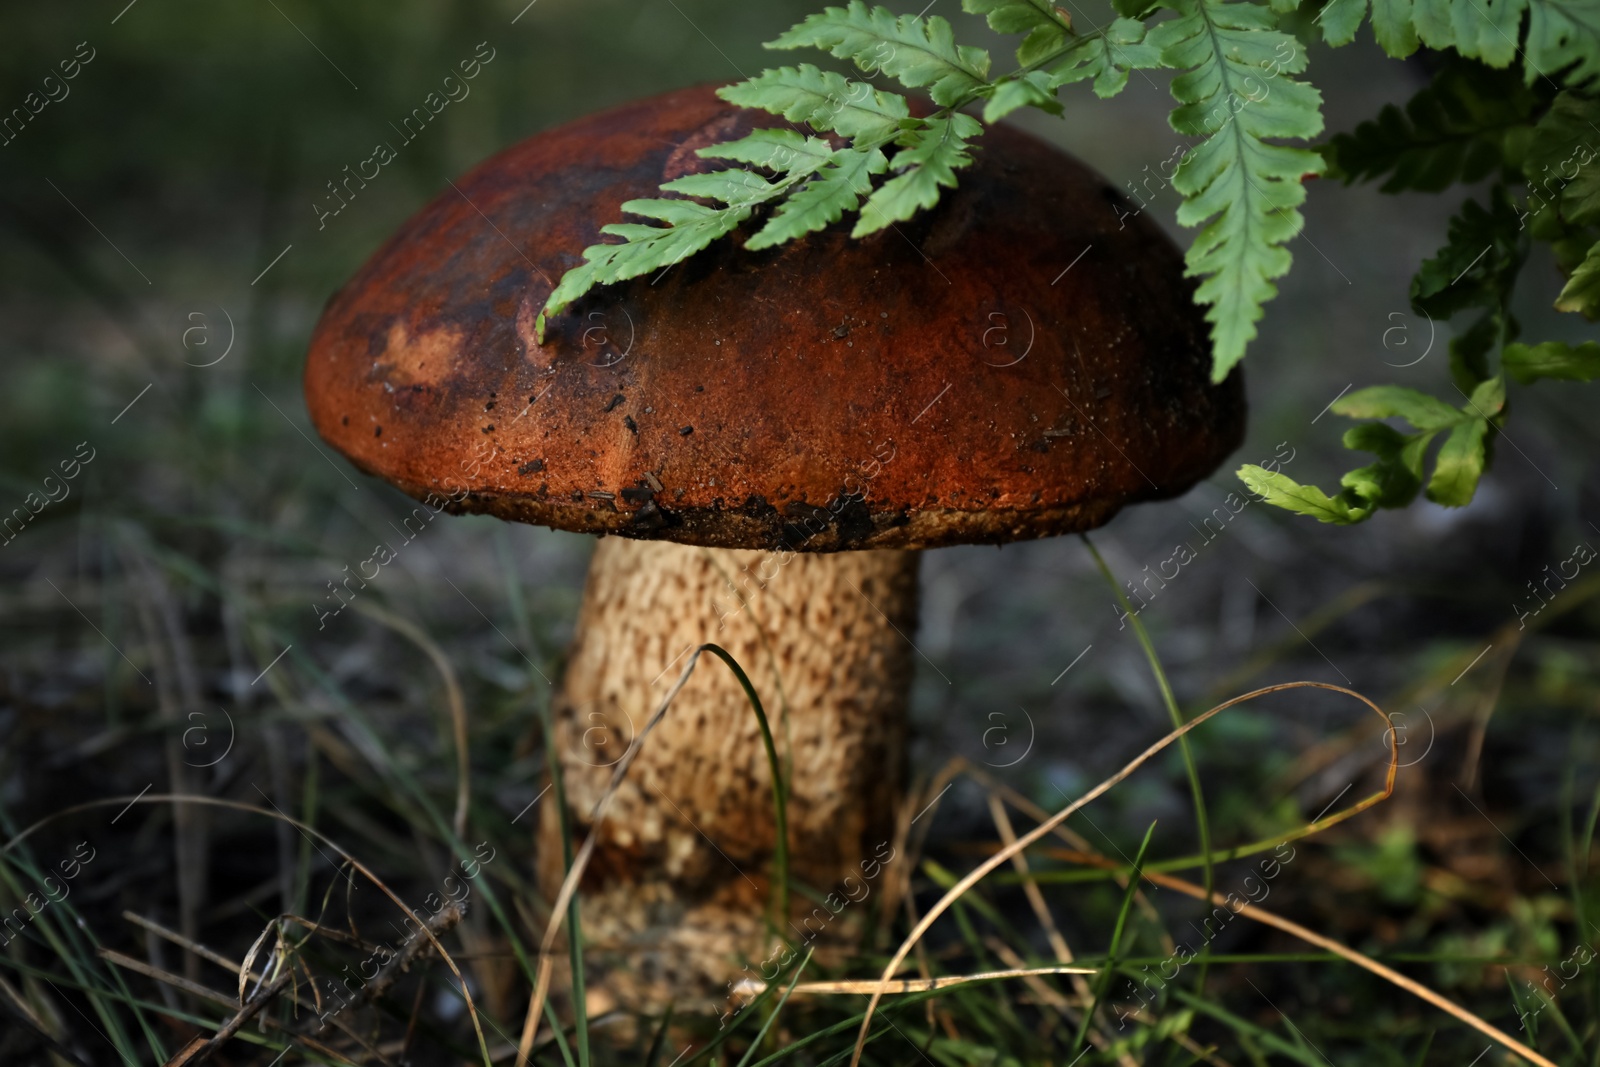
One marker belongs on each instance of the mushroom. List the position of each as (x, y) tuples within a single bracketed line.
[(766, 440)]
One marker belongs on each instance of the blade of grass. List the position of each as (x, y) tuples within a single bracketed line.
[(659, 1042), (580, 1022), (1299, 1053), (780, 792), (762, 1033), (83, 970), (1202, 823), (1102, 981), (580, 861)]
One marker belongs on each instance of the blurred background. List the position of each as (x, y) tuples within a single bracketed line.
[(162, 262)]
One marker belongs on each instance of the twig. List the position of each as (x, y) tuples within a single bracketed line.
[(910, 985), (411, 950)]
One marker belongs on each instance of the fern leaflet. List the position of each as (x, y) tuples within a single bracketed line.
[(919, 52), (1237, 93)]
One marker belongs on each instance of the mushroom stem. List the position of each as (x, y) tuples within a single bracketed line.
[(676, 899)]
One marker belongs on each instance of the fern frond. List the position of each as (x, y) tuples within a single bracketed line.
[(1559, 164), (1237, 92), (1563, 39), (1454, 130), (786, 151), (1582, 291), (1107, 57), (837, 187), (919, 52), (822, 100), (1393, 479), (688, 227), (1392, 23), (1031, 89), (1045, 26), (928, 161)]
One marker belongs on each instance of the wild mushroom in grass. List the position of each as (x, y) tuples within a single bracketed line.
[(765, 441)]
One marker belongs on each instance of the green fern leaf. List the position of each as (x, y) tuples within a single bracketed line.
[(1397, 402), (1582, 291), (1237, 92), (1283, 491), (919, 52), (822, 100), (1563, 36), (927, 163), (1393, 479), (1455, 130), (1461, 460), (838, 187), (1478, 265), (1392, 27), (1396, 476), (786, 151), (1046, 28), (1476, 269), (1339, 20), (1558, 167), (1553, 359), (734, 187), (1107, 57), (1033, 89), (690, 226)]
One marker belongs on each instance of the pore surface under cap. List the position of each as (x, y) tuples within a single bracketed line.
[(1017, 362)]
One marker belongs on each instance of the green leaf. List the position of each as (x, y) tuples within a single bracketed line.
[(1107, 57), (1488, 399), (1487, 29), (1392, 28), (729, 186), (1582, 291), (1047, 29), (919, 52), (1434, 23), (1563, 36), (1563, 39), (1452, 131), (928, 163), (690, 227), (1460, 465), (1392, 481), (1553, 359), (1340, 19), (1237, 93), (1558, 165), (823, 100), (1283, 491), (1479, 264), (786, 151), (835, 189), (1396, 401), (1033, 89)]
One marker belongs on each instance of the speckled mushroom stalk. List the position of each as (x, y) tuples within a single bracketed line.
[(1020, 361), (678, 895)]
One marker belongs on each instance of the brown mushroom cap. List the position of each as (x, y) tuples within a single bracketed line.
[(1019, 361)]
